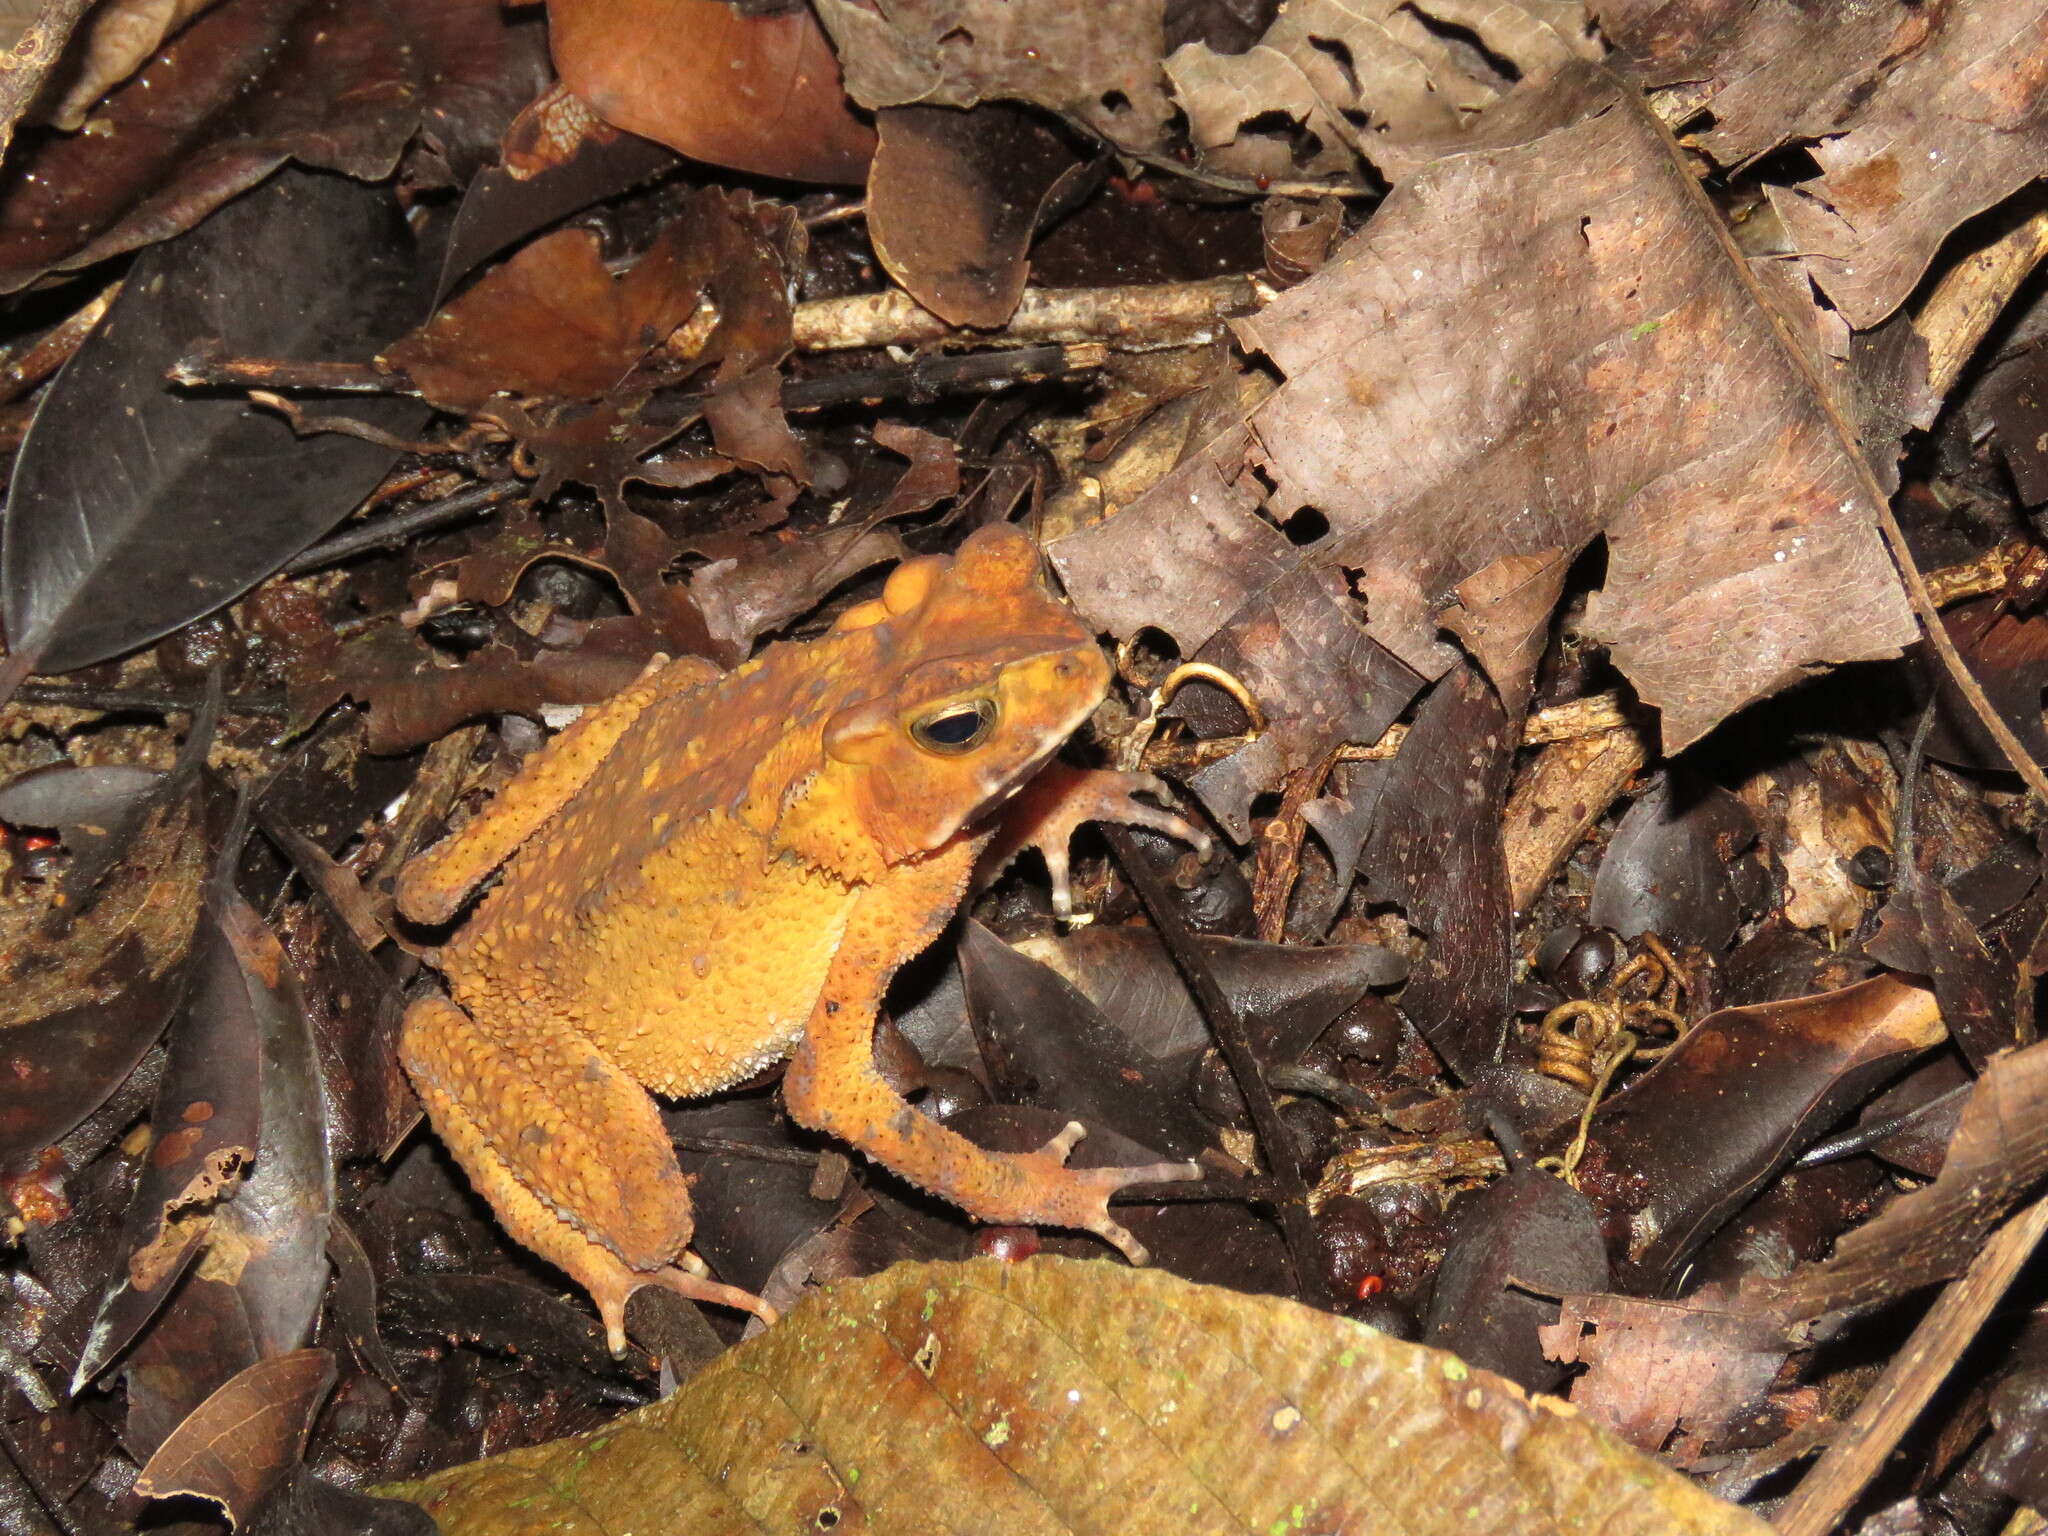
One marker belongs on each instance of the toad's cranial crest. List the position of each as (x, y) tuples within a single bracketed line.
[(707, 874)]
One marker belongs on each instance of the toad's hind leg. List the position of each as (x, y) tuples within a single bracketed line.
[(568, 1150), (833, 1086)]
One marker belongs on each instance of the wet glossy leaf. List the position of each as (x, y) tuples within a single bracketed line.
[(1995, 1159), (1737, 1097), (136, 508)]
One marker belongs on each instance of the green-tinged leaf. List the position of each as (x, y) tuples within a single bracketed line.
[(1067, 1396)]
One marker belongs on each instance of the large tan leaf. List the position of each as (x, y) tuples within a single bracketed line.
[(1059, 1396), (1542, 340)]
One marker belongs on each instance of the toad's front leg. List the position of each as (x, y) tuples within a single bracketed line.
[(568, 1150), (832, 1084)]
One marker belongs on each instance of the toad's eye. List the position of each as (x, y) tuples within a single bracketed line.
[(955, 728)]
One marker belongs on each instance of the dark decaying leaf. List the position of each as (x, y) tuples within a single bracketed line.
[(952, 202), (499, 1314), (83, 1005), (1739, 520), (1996, 1159), (1287, 994), (1672, 866), (136, 508), (2007, 653), (270, 1240), (241, 1443), (1509, 1248), (1926, 932), (337, 85), (557, 157), (305, 1505), (754, 90), (1046, 1044), (1435, 848), (205, 1126), (1200, 1409), (1737, 1097)]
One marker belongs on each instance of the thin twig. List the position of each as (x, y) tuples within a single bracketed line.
[(1275, 1142), (21, 371), (389, 532), (144, 701), (1143, 317), (1889, 1408)]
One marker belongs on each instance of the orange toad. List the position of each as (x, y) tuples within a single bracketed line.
[(709, 873)]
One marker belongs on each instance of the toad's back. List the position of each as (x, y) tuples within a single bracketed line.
[(653, 914)]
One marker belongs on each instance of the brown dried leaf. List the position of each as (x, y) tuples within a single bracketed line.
[(112, 46), (549, 331), (1692, 1368), (550, 323), (1633, 384), (1191, 556), (756, 92), (1920, 116), (243, 1441), (1953, 128), (952, 202), (953, 1396), (1097, 64)]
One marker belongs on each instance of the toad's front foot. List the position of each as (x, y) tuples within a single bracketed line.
[(1059, 1196), (1051, 808)]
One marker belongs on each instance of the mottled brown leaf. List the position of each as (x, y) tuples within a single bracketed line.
[(1378, 81), (1953, 128), (1656, 1369), (1098, 64), (954, 1396), (1920, 116)]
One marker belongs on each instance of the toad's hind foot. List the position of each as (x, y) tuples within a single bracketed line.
[(1059, 1196), (611, 1285)]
